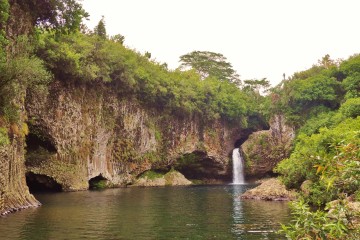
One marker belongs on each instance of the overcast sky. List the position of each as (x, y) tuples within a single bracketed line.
[(260, 38)]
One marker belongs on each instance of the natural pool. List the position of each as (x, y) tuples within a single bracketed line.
[(195, 212)]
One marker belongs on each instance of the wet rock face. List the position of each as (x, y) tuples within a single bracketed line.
[(79, 132), (264, 149)]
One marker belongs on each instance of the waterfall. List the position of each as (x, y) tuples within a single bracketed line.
[(238, 167)]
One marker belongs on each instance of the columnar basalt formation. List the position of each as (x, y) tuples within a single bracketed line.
[(94, 131)]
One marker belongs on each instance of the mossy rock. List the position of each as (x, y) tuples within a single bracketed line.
[(270, 190), (153, 179)]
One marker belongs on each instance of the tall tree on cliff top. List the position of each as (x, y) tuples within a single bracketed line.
[(61, 15), (210, 64), (100, 29)]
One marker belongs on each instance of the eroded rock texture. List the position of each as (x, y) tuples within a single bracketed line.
[(79, 132), (264, 149)]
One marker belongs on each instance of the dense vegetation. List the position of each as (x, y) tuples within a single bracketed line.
[(89, 57), (59, 48), (324, 104)]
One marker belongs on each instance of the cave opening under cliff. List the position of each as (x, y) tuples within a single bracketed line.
[(41, 183), (98, 182), (199, 166), (241, 140)]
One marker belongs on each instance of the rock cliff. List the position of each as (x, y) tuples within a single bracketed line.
[(79, 132), (264, 149), (14, 193)]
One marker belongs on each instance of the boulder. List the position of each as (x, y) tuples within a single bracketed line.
[(175, 178), (270, 190), (306, 187), (172, 178)]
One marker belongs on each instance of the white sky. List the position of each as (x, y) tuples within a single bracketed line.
[(260, 38)]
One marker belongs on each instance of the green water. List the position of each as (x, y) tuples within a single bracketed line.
[(196, 212)]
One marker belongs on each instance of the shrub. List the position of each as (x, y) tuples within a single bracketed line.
[(328, 158), (308, 225), (351, 108), (152, 175), (4, 138)]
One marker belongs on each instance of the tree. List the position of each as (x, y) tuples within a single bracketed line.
[(100, 29), (210, 64), (4, 10), (61, 15), (147, 54), (326, 62), (257, 85), (118, 38)]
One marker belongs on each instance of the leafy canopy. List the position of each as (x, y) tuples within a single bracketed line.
[(210, 64)]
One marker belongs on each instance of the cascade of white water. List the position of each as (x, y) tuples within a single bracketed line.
[(238, 167)]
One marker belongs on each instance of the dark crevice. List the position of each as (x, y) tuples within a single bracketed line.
[(34, 142), (41, 183), (40, 147)]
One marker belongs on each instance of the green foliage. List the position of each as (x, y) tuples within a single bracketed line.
[(357, 195), (4, 15), (351, 84), (351, 108), (4, 10), (324, 118), (98, 185), (118, 38), (313, 71), (210, 64), (321, 88), (302, 96), (341, 173), (308, 225), (256, 85), (186, 160), (124, 150), (313, 154), (318, 88), (100, 29), (351, 66), (63, 16), (20, 73), (152, 175), (88, 58), (4, 138)]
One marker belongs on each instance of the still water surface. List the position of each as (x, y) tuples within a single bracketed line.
[(196, 212)]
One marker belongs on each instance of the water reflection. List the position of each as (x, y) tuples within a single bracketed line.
[(257, 219), (197, 212)]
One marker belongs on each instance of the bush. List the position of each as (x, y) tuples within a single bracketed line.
[(4, 138), (80, 57), (352, 85), (351, 108), (308, 225), (152, 175), (328, 158)]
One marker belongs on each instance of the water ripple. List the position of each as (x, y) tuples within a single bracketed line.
[(197, 212)]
